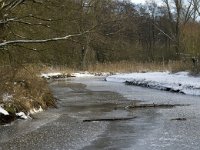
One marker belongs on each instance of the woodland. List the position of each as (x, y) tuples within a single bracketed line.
[(78, 33)]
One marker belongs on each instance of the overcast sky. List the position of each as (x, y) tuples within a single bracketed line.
[(138, 1), (143, 1)]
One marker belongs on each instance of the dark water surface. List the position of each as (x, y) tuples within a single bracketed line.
[(80, 99)]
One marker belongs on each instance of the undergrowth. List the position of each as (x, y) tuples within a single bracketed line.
[(22, 89)]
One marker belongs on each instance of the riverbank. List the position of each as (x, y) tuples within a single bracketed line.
[(23, 93), (28, 91), (181, 82)]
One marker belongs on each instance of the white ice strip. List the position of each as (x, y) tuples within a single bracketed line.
[(180, 82), (3, 111)]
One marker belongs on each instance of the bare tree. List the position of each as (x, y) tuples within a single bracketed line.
[(180, 13)]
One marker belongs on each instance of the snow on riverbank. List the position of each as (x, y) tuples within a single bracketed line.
[(3, 111), (21, 115), (51, 74), (76, 74), (180, 82), (82, 74)]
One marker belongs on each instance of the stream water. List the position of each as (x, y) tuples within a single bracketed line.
[(93, 98)]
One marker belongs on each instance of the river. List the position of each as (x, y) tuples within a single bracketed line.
[(93, 98)]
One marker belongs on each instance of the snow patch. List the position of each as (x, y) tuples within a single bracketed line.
[(180, 82), (3, 111), (91, 74), (7, 97), (22, 115), (83, 74), (33, 111), (49, 75)]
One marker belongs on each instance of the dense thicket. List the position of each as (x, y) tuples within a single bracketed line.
[(104, 31)]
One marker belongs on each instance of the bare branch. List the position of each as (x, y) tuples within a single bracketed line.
[(6, 43), (196, 5), (32, 24), (31, 49), (9, 5), (4, 21), (15, 34), (163, 32), (189, 12)]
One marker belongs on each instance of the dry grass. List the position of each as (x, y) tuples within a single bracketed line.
[(62, 69), (173, 66), (122, 66), (127, 66), (27, 89), (191, 37)]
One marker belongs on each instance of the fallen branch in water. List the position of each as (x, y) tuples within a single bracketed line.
[(155, 105), (179, 119), (109, 119)]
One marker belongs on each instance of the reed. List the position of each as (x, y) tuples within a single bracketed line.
[(125, 66)]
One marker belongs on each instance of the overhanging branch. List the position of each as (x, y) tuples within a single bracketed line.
[(6, 43)]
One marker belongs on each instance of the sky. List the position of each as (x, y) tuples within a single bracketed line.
[(143, 1), (138, 1)]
